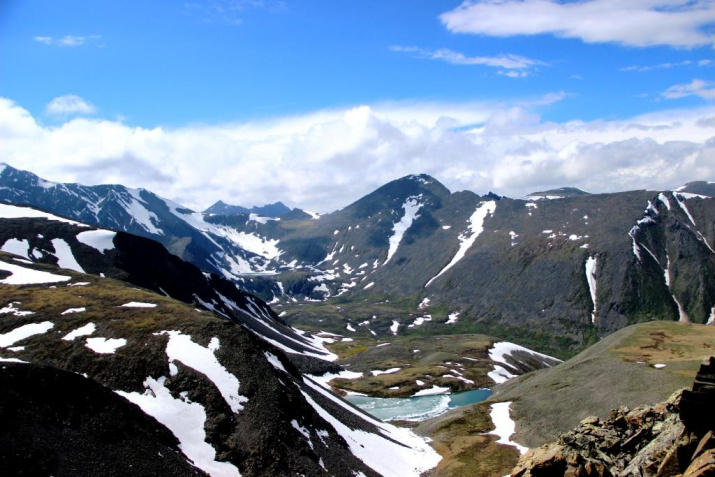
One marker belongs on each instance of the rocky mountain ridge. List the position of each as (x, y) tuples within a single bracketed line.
[(670, 438), (572, 269), (216, 398)]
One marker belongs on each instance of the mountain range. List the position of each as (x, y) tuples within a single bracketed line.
[(559, 268), (109, 332)]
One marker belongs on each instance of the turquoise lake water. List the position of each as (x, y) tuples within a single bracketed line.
[(417, 408)]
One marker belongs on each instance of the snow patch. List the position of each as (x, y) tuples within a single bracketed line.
[(14, 212), (145, 218), (504, 425), (186, 420), (412, 207), (378, 372), (682, 205), (105, 345), (498, 353), (65, 258), (85, 330), (181, 347), (25, 331), (419, 321), (10, 308), (591, 267), (17, 247), (138, 304), (434, 390), (327, 377), (467, 239), (100, 240), (27, 276), (69, 311), (275, 362), (452, 318), (395, 325)]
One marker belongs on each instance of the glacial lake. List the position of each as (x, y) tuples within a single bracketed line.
[(417, 408)]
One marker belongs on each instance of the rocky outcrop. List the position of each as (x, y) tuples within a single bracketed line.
[(671, 438)]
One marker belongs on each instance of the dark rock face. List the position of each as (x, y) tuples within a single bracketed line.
[(59, 423), (670, 438), (696, 408)]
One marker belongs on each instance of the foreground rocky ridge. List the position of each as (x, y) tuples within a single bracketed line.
[(638, 365), (671, 438)]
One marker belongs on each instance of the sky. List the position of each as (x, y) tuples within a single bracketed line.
[(317, 103)]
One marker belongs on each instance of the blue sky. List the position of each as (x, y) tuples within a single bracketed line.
[(269, 77)]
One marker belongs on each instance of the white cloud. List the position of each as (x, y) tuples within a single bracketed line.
[(230, 12), (516, 66), (47, 40), (697, 87), (69, 104), (70, 40), (677, 23), (327, 159), (667, 66)]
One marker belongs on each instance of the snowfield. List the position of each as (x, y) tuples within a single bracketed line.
[(85, 330), (183, 349), (65, 258), (398, 452), (28, 276), (101, 240), (412, 207), (15, 212), (498, 353), (467, 239), (105, 345), (504, 425), (186, 420), (25, 331)]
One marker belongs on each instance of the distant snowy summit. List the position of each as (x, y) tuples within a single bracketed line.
[(274, 210), (560, 193)]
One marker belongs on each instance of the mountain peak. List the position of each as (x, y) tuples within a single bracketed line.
[(698, 187), (560, 193), (421, 178), (274, 210)]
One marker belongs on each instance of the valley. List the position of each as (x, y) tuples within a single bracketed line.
[(411, 293)]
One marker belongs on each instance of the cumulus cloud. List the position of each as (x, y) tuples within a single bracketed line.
[(697, 87), (677, 23), (327, 159), (69, 104), (70, 40), (516, 66)]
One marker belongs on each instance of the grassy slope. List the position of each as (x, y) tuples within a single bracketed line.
[(467, 450), (606, 376), (547, 402), (425, 359)]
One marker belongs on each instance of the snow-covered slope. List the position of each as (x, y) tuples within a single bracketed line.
[(185, 233), (221, 398), (145, 263)]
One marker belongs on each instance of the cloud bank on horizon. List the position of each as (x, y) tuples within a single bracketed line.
[(325, 160), (509, 96)]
